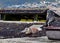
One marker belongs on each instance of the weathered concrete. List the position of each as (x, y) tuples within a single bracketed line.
[(29, 40), (53, 34)]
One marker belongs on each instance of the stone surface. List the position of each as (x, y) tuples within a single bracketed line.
[(43, 39)]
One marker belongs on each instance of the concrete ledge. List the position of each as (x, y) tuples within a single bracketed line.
[(53, 34)]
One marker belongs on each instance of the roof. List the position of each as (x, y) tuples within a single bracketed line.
[(56, 10), (22, 10)]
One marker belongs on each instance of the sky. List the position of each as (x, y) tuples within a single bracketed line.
[(4, 3)]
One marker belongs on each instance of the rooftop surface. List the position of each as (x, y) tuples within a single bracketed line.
[(55, 9)]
